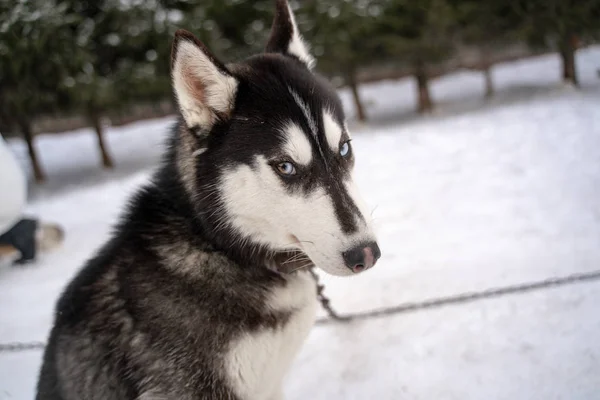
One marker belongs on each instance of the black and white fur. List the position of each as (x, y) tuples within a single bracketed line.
[(191, 298)]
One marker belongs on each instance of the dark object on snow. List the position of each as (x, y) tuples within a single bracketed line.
[(28, 238), (22, 237)]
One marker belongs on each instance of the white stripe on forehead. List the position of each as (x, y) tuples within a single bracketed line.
[(297, 145), (333, 130), (312, 124)]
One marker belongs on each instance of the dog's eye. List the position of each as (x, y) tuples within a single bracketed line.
[(286, 168), (345, 149)]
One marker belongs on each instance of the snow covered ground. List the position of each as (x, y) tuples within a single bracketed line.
[(477, 195)]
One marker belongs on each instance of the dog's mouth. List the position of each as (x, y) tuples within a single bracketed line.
[(291, 261)]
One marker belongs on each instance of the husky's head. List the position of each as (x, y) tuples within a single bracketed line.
[(265, 156)]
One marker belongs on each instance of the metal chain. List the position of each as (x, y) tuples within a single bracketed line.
[(461, 298), (325, 302), (399, 309), (21, 346)]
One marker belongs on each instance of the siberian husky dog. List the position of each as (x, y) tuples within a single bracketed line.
[(204, 291)]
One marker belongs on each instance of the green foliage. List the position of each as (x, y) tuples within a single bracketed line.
[(37, 55), (486, 23), (231, 29), (548, 23), (120, 41), (341, 33), (416, 32), (101, 56)]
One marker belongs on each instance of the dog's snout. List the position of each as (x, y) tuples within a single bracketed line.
[(362, 257)]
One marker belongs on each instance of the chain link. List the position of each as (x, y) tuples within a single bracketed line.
[(387, 311), (461, 298), (21, 346), (325, 302)]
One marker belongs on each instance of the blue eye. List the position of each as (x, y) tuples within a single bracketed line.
[(345, 149), (286, 168)]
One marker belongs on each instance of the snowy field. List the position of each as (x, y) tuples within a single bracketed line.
[(475, 196)]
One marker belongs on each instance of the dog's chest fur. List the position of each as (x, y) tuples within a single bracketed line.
[(256, 362), (224, 332)]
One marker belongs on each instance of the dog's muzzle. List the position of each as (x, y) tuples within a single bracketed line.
[(362, 257)]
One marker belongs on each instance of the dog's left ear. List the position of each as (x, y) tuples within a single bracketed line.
[(285, 38), (204, 87)]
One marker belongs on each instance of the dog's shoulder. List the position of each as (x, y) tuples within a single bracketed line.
[(101, 270)]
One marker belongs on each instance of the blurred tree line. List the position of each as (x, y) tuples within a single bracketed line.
[(98, 58)]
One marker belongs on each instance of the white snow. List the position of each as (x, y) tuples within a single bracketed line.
[(477, 195), (541, 345)]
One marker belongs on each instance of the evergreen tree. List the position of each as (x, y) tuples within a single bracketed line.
[(38, 54), (341, 33), (232, 32), (562, 25), (419, 34), (338, 31), (120, 41), (488, 26)]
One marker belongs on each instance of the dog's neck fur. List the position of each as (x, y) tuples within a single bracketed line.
[(188, 183)]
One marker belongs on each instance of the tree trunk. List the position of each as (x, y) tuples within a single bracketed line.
[(489, 83), (567, 53), (38, 172), (107, 161), (487, 74), (425, 103), (358, 104)]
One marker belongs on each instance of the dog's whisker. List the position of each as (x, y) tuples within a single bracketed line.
[(373, 210), (295, 260), (297, 242), (297, 256), (301, 267)]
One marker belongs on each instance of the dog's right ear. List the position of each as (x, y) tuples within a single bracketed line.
[(204, 88)]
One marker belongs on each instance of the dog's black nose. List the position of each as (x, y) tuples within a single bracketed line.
[(362, 257)]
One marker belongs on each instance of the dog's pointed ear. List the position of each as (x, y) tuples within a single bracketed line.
[(285, 37), (204, 87)]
